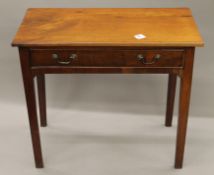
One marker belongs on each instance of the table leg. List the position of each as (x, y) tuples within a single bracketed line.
[(31, 106), (170, 99), (185, 90), (42, 99)]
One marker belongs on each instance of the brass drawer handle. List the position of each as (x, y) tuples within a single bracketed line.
[(70, 58), (142, 59)]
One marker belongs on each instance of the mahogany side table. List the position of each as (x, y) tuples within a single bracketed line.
[(104, 40)]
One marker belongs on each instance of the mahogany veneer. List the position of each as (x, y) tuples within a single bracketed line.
[(103, 40)]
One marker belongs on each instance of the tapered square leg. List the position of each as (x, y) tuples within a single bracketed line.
[(31, 106), (170, 99), (185, 90), (42, 99)]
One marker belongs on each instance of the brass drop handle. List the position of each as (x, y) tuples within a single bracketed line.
[(142, 59), (70, 58)]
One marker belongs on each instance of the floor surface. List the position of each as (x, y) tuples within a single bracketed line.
[(97, 143)]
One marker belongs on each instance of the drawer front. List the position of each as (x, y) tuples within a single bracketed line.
[(107, 58)]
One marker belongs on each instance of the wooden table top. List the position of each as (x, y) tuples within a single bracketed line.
[(108, 27)]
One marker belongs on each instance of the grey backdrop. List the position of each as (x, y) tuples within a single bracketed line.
[(109, 93)]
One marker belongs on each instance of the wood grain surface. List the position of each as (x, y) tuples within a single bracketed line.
[(108, 27)]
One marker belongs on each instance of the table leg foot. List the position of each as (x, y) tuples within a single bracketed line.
[(39, 165), (178, 166)]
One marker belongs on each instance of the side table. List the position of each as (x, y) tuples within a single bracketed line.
[(105, 40)]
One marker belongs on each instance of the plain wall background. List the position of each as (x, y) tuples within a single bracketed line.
[(105, 124), (109, 93)]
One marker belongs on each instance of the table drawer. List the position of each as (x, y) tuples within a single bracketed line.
[(107, 58)]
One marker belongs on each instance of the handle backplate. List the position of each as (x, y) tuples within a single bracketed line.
[(142, 59), (68, 60)]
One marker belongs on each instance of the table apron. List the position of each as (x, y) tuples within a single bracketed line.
[(105, 70)]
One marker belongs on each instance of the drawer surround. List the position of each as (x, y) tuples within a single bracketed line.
[(105, 57)]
